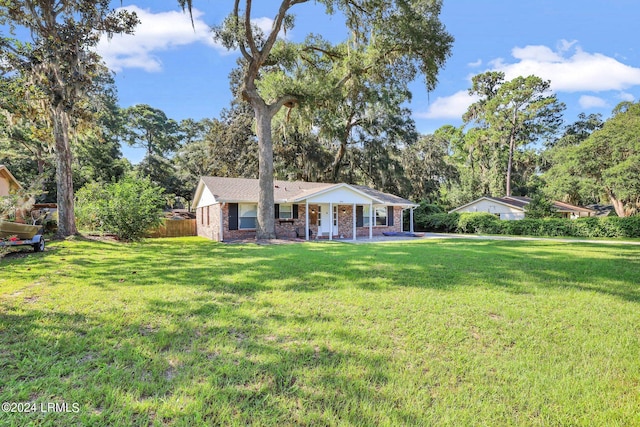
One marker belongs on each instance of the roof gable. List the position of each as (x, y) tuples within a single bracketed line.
[(12, 182), (515, 204)]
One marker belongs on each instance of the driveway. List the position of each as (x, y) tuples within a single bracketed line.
[(380, 239)]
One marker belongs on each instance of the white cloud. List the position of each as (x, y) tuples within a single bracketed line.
[(475, 64), (156, 32), (588, 101), (570, 69), (265, 24), (448, 107), (623, 96)]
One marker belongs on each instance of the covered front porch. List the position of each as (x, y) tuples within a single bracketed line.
[(346, 213)]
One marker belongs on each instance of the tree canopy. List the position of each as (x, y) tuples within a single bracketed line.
[(607, 160), (405, 36), (59, 62)]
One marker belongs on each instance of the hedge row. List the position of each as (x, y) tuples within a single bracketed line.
[(486, 223)]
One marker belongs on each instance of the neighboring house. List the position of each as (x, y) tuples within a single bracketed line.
[(513, 207), (227, 209), (8, 183)]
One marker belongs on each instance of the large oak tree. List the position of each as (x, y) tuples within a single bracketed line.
[(59, 61), (406, 34)]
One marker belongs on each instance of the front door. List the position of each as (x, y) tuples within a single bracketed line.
[(324, 220)]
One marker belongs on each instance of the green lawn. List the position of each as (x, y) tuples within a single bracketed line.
[(437, 332)]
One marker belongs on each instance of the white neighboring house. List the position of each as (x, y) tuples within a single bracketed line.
[(514, 207), (8, 183)]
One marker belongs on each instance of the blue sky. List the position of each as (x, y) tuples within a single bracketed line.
[(588, 49)]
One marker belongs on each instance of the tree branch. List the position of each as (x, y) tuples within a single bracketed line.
[(243, 49), (288, 100), (275, 30), (249, 31)]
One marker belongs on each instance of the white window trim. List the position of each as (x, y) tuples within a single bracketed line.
[(386, 216), (240, 216), (290, 212)]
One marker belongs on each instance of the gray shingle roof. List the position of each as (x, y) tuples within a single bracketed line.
[(247, 190)]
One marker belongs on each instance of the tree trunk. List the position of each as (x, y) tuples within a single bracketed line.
[(512, 147), (266, 227), (64, 175), (618, 205), (337, 161)]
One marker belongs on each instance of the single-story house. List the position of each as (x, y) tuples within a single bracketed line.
[(227, 209), (8, 183), (513, 207)]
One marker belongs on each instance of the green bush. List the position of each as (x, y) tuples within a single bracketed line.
[(479, 222), (421, 215), (439, 223), (127, 208), (551, 227)]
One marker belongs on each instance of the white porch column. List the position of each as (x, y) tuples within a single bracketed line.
[(306, 220), (221, 234), (371, 216), (411, 219), (354, 221), (330, 220)]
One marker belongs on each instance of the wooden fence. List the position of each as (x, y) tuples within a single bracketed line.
[(175, 228)]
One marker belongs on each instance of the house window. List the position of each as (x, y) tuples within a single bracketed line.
[(365, 215), (381, 216), (247, 215), (286, 211), (335, 216)]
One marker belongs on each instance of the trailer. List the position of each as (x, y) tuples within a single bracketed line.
[(36, 242)]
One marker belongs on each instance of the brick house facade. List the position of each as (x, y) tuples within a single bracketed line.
[(226, 210)]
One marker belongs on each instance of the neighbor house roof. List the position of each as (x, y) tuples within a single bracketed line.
[(235, 190), (13, 182), (520, 203)]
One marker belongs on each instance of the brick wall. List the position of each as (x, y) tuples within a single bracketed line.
[(208, 222), (286, 229)]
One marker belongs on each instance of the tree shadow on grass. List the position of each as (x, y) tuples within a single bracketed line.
[(250, 269)]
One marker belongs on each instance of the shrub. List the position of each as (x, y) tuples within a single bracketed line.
[(90, 205), (440, 222), (479, 222), (127, 208), (422, 213)]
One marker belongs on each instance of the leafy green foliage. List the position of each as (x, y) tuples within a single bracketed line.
[(438, 222), (507, 116), (399, 39), (127, 208), (485, 223), (607, 162), (59, 61), (478, 222), (540, 207)]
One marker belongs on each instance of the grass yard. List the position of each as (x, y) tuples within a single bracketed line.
[(189, 332)]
